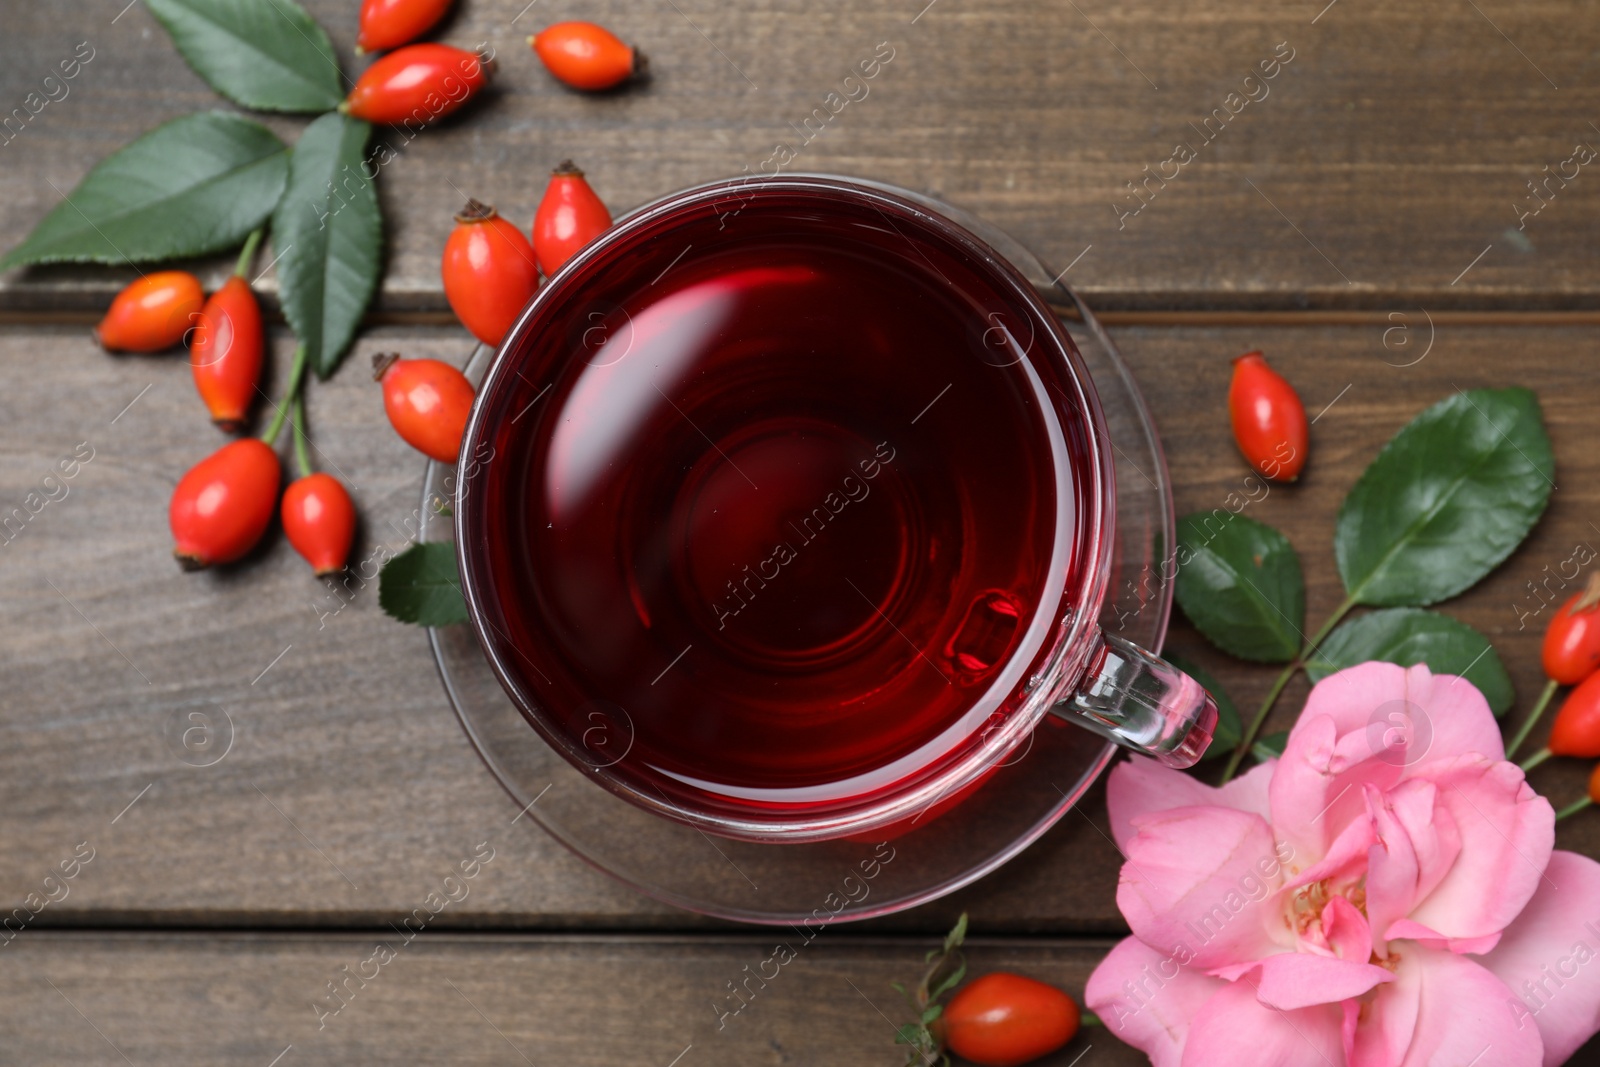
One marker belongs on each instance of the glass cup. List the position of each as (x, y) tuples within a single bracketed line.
[(567, 362)]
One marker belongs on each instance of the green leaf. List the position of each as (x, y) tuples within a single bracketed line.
[(264, 54), (949, 982), (933, 1012), (1229, 726), (1270, 746), (195, 185), (1239, 582), (421, 585), (1446, 500), (957, 934), (328, 234), (1409, 636)]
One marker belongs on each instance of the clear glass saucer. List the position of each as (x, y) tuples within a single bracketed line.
[(818, 883)]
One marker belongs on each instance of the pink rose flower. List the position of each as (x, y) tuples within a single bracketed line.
[(1385, 895)]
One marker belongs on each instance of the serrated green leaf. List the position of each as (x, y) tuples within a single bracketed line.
[(1446, 501), (264, 54), (195, 185), (1239, 582), (421, 585), (1229, 726), (328, 235), (1409, 636), (1270, 746)]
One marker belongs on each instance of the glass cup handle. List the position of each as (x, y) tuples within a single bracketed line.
[(1143, 703)]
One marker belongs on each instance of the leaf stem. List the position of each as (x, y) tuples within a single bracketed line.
[(297, 373), (1533, 717), (302, 456), (248, 254), (1260, 718), (1534, 760), (1277, 689), (1573, 808)]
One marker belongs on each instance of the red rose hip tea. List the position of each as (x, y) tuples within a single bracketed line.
[(778, 515)]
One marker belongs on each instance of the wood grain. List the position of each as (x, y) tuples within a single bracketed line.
[(580, 1000), (350, 788), (1381, 169)]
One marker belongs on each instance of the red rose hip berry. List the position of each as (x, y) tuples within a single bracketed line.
[(489, 272), (569, 217), (225, 353), (418, 83), (222, 506), (427, 403), (1001, 1020), (587, 56), (151, 313), (1571, 650), (1576, 731), (387, 24), (1269, 422), (320, 521)]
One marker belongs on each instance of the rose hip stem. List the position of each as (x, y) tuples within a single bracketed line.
[(297, 373), (1255, 724), (248, 253), (1578, 805), (1515, 743), (1573, 808), (302, 456)]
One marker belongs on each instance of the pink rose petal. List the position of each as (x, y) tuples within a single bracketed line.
[(1318, 786), (1345, 862), (1430, 938), (1549, 958), (1300, 980), (1140, 786), (1234, 1029), (1200, 881), (1456, 1020), (1146, 999), (1391, 870), (1346, 931), (1506, 833)]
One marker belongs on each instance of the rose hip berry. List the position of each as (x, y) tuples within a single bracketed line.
[(151, 313), (427, 403), (587, 56), (320, 521), (1576, 731), (1571, 650), (387, 24), (489, 272), (222, 506), (1001, 1020), (569, 217), (226, 349), (1269, 422), (419, 83)]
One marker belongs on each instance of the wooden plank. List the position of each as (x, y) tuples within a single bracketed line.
[(580, 1000), (220, 1000), (1382, 168), (340, 722)]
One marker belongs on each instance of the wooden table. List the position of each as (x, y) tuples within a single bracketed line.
[(1357, 223)]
